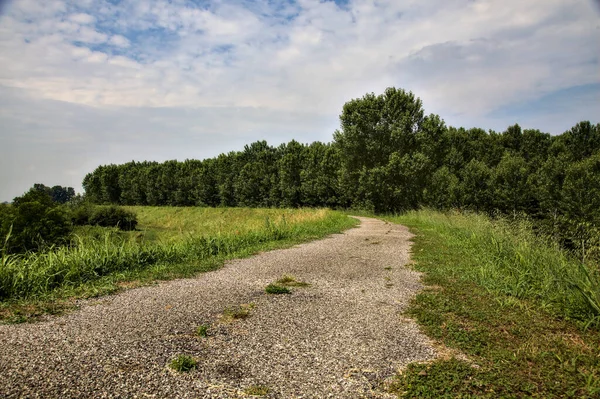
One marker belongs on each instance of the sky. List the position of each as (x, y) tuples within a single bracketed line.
[(91, 82)]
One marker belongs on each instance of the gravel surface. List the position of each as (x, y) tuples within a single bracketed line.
[(341, 337)]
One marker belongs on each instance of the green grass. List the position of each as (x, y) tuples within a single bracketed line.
[(183, 363), (511, 260), (202, 331), (171, 243), (277, 289), (507, 299)]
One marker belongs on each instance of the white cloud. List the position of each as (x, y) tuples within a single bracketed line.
[(324, 51), (89, 35), (82, 18), (65, 140), (119, 41), (465, 59)]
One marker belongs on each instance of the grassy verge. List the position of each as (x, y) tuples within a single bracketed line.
[(106, 261), (508, 301)]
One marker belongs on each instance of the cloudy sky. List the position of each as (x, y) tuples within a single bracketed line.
[(90, 82)]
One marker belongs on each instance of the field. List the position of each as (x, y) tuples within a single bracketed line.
[(168, 243), (516, 316)]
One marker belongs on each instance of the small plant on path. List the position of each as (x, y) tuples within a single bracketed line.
[(202, 331), (183, 363), (277, 289), (290, 281), (238, 312), (257, 390)]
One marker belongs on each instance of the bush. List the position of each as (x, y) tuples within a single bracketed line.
[(33, 222), (81, 214), (110, 216)]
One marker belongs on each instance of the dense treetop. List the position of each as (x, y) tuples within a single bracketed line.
[(387, 156)]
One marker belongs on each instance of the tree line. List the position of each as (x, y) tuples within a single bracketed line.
[(387, 156), (44, 217)]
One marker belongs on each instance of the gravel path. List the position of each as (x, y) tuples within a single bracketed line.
[(341, 337)]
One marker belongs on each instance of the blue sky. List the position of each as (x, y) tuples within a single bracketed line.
[(91, 82)]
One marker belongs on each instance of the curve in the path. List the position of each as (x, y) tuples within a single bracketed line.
[(343, 336)]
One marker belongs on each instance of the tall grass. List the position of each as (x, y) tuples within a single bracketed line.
[(37, 274), (509, 258), (175, 223)]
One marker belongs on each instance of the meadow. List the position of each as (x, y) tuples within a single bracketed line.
[(513, 314), (508, 257), (168, 243)]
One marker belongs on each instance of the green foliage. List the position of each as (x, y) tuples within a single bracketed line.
[(202, 331), (183, 363), (59, 194), (104, 216), (444, 190), (518, 334), (507, 257), (387, 156), (475, 186), (81, 214), (277, 289), (113, 216), (509, 179), (33, 222), (581, 190)]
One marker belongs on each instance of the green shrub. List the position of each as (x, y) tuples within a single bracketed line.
[(33, 222), (113, 216), (80, 215)]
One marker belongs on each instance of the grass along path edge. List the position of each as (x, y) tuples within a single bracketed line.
[(110, 267), (514, 346)]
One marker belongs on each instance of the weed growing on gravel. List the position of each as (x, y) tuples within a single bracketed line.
[(183, 363), (257, 390), (387, 268), (290, 281), (277, 289), (238, 312), (202, 331)]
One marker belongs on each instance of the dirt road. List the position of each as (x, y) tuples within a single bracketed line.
[(342, 336)]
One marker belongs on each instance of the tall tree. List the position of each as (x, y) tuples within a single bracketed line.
[(511, 189)]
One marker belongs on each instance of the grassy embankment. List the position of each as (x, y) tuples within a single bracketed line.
[(524, 313), (169, 243)]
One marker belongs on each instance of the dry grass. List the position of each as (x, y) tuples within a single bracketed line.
[(290, 281)]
